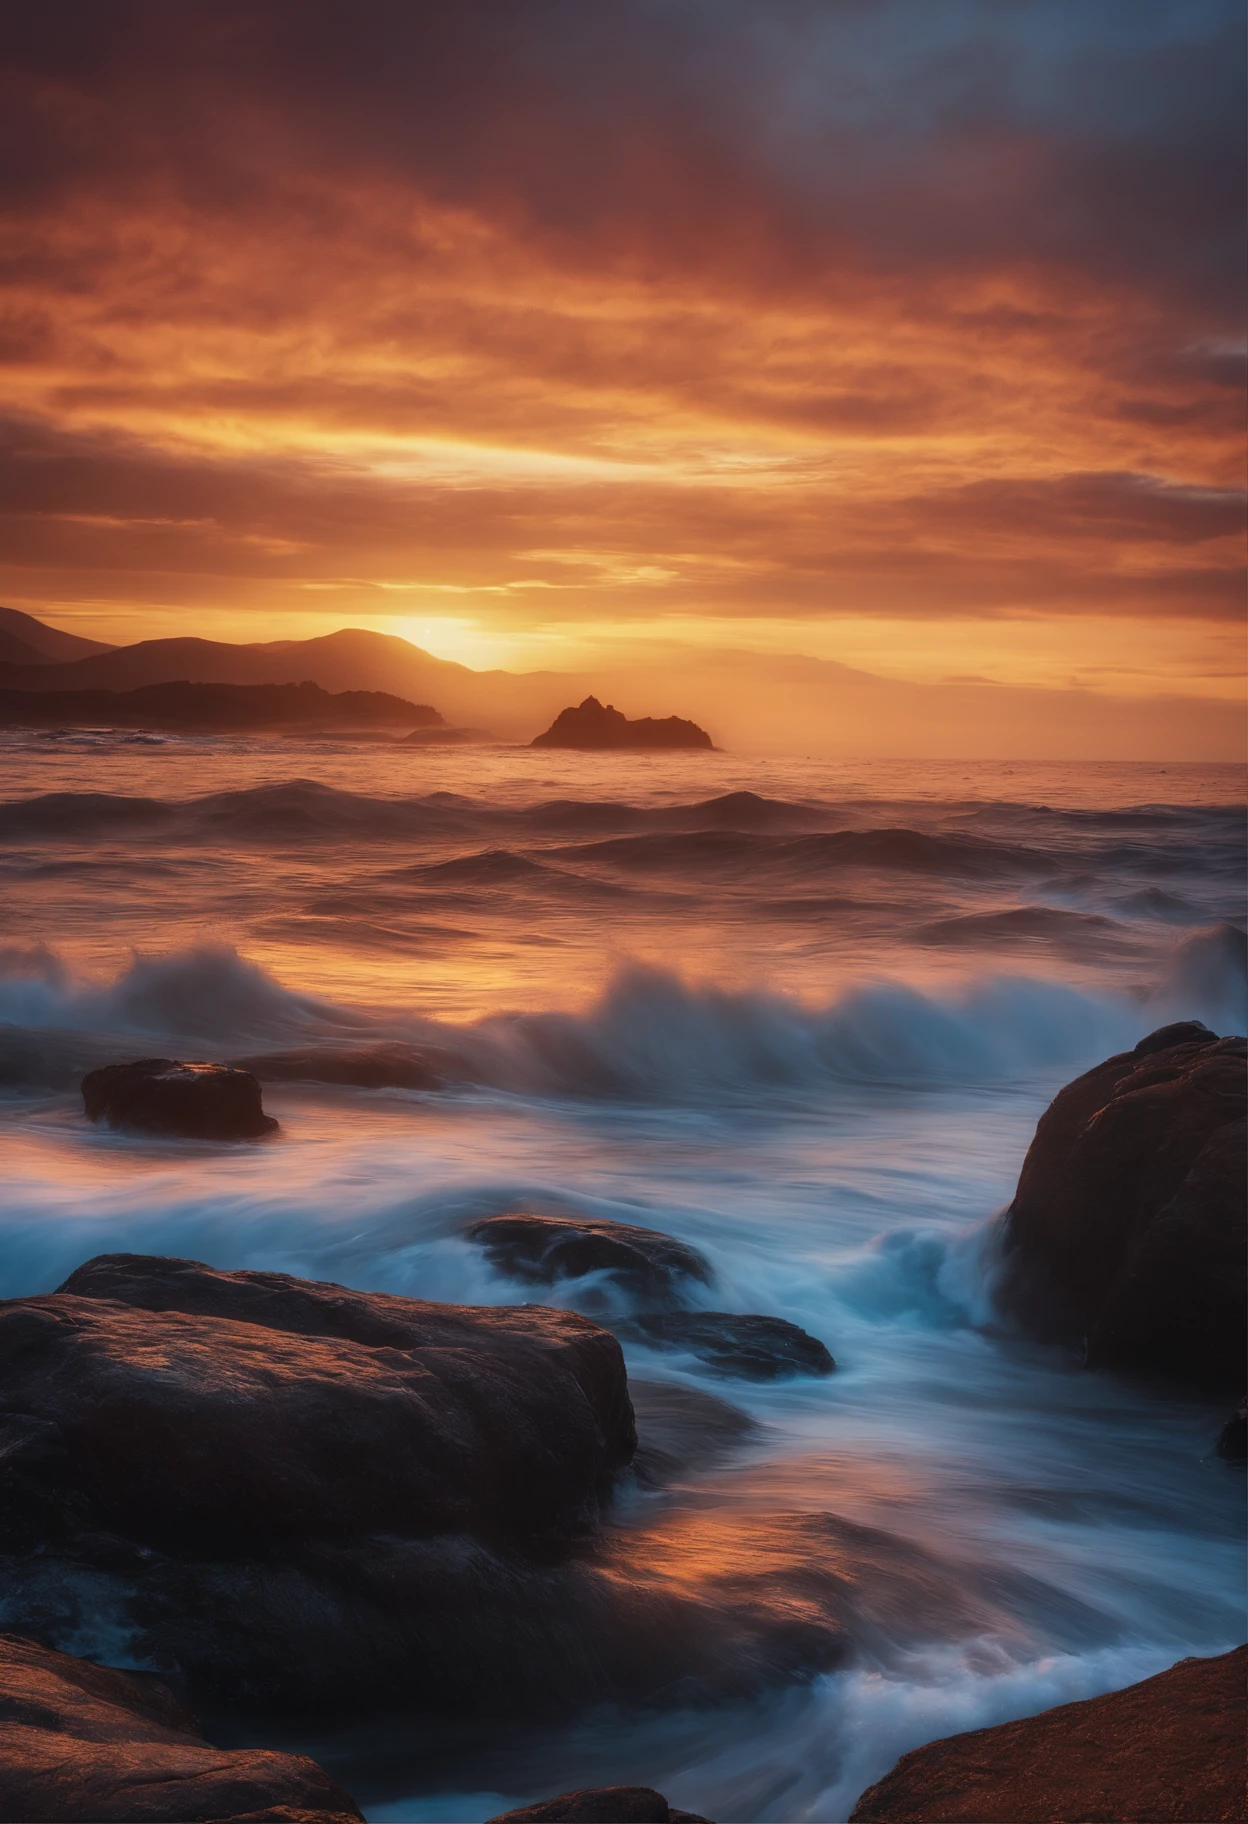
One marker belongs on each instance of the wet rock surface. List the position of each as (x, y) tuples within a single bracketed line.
[(539, 1250), (83, 1742), (747, 1348), (239, 1409), (602, 1805), (166, 1096), (1127, 1231), (334, 1503), (682, 1428), (1167, 1751), (295, 1497)]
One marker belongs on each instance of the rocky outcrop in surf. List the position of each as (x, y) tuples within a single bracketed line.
[(746, 1347), (1127, 1230), (165, 1096), (602, 1805), (82, 1742), (292, 1496), (592, 725), (1169, 1750), (539, 1250), (656, 1272)]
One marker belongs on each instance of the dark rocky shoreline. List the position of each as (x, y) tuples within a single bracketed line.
[(299, 1500)]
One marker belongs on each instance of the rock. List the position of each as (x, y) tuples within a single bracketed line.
[(232, 1411), (82, 1742), (165, 1096), (1168, 1750), (751, 1348), (1127, 1230), (292, 1496), (1233, 1438), (542, 1249), (682, 1428), (602, 1805), (591, 725)]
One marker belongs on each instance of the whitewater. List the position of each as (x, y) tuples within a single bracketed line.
[(801, 1015)]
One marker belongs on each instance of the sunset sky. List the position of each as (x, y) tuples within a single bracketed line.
[(551, 333)]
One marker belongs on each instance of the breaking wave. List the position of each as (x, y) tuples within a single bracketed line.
[(651, 1036)]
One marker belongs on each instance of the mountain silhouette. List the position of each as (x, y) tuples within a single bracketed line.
[(186, 706), (26, 641)]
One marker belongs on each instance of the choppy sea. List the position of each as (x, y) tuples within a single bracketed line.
[(802, 1015)]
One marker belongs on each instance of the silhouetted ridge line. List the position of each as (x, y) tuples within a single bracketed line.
[(184, 705)]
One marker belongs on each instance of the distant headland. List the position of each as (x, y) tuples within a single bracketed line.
[(595, 725), (210, 708)]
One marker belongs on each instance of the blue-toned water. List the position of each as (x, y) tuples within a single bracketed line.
[(804, 1017)]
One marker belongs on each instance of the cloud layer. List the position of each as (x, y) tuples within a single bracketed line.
[(547, 313)]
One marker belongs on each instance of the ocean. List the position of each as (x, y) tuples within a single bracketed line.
[(800, 1014)]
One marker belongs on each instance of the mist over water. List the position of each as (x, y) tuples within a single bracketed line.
[(801, 1016)]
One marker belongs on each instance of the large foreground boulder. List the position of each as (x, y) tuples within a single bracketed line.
[(84, 1743), (602, 1805), (1127, 1232), (1167, 1751), (166, 1096), (290, 1496), (187, 1408)]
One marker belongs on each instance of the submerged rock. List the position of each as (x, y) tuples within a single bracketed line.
[(539, 1250), (682, 1428), (166, 1096), (595, 725), (751, 1348), (1167, 1751), (1127, 1230), (602, 1805), (82, 1742)]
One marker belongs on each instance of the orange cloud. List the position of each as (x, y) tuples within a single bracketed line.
[(511, 318)]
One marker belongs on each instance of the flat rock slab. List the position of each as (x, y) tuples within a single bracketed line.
[(1167, 1751), (166, 1096), (82, 1743), (602, 1805), (188, 1408), (1128, 1231), (748, 1348), (538, 1250)]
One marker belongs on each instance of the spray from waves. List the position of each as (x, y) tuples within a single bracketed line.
[(877, 1717), (652, 1035), (210, 995)]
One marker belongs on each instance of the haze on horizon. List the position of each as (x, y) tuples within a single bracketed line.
[(674, 346)]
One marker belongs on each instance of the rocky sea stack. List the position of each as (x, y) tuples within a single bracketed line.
[(594, 725), (1127, 1233)]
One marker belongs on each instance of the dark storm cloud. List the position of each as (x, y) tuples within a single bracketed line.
[(1103, 139)]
